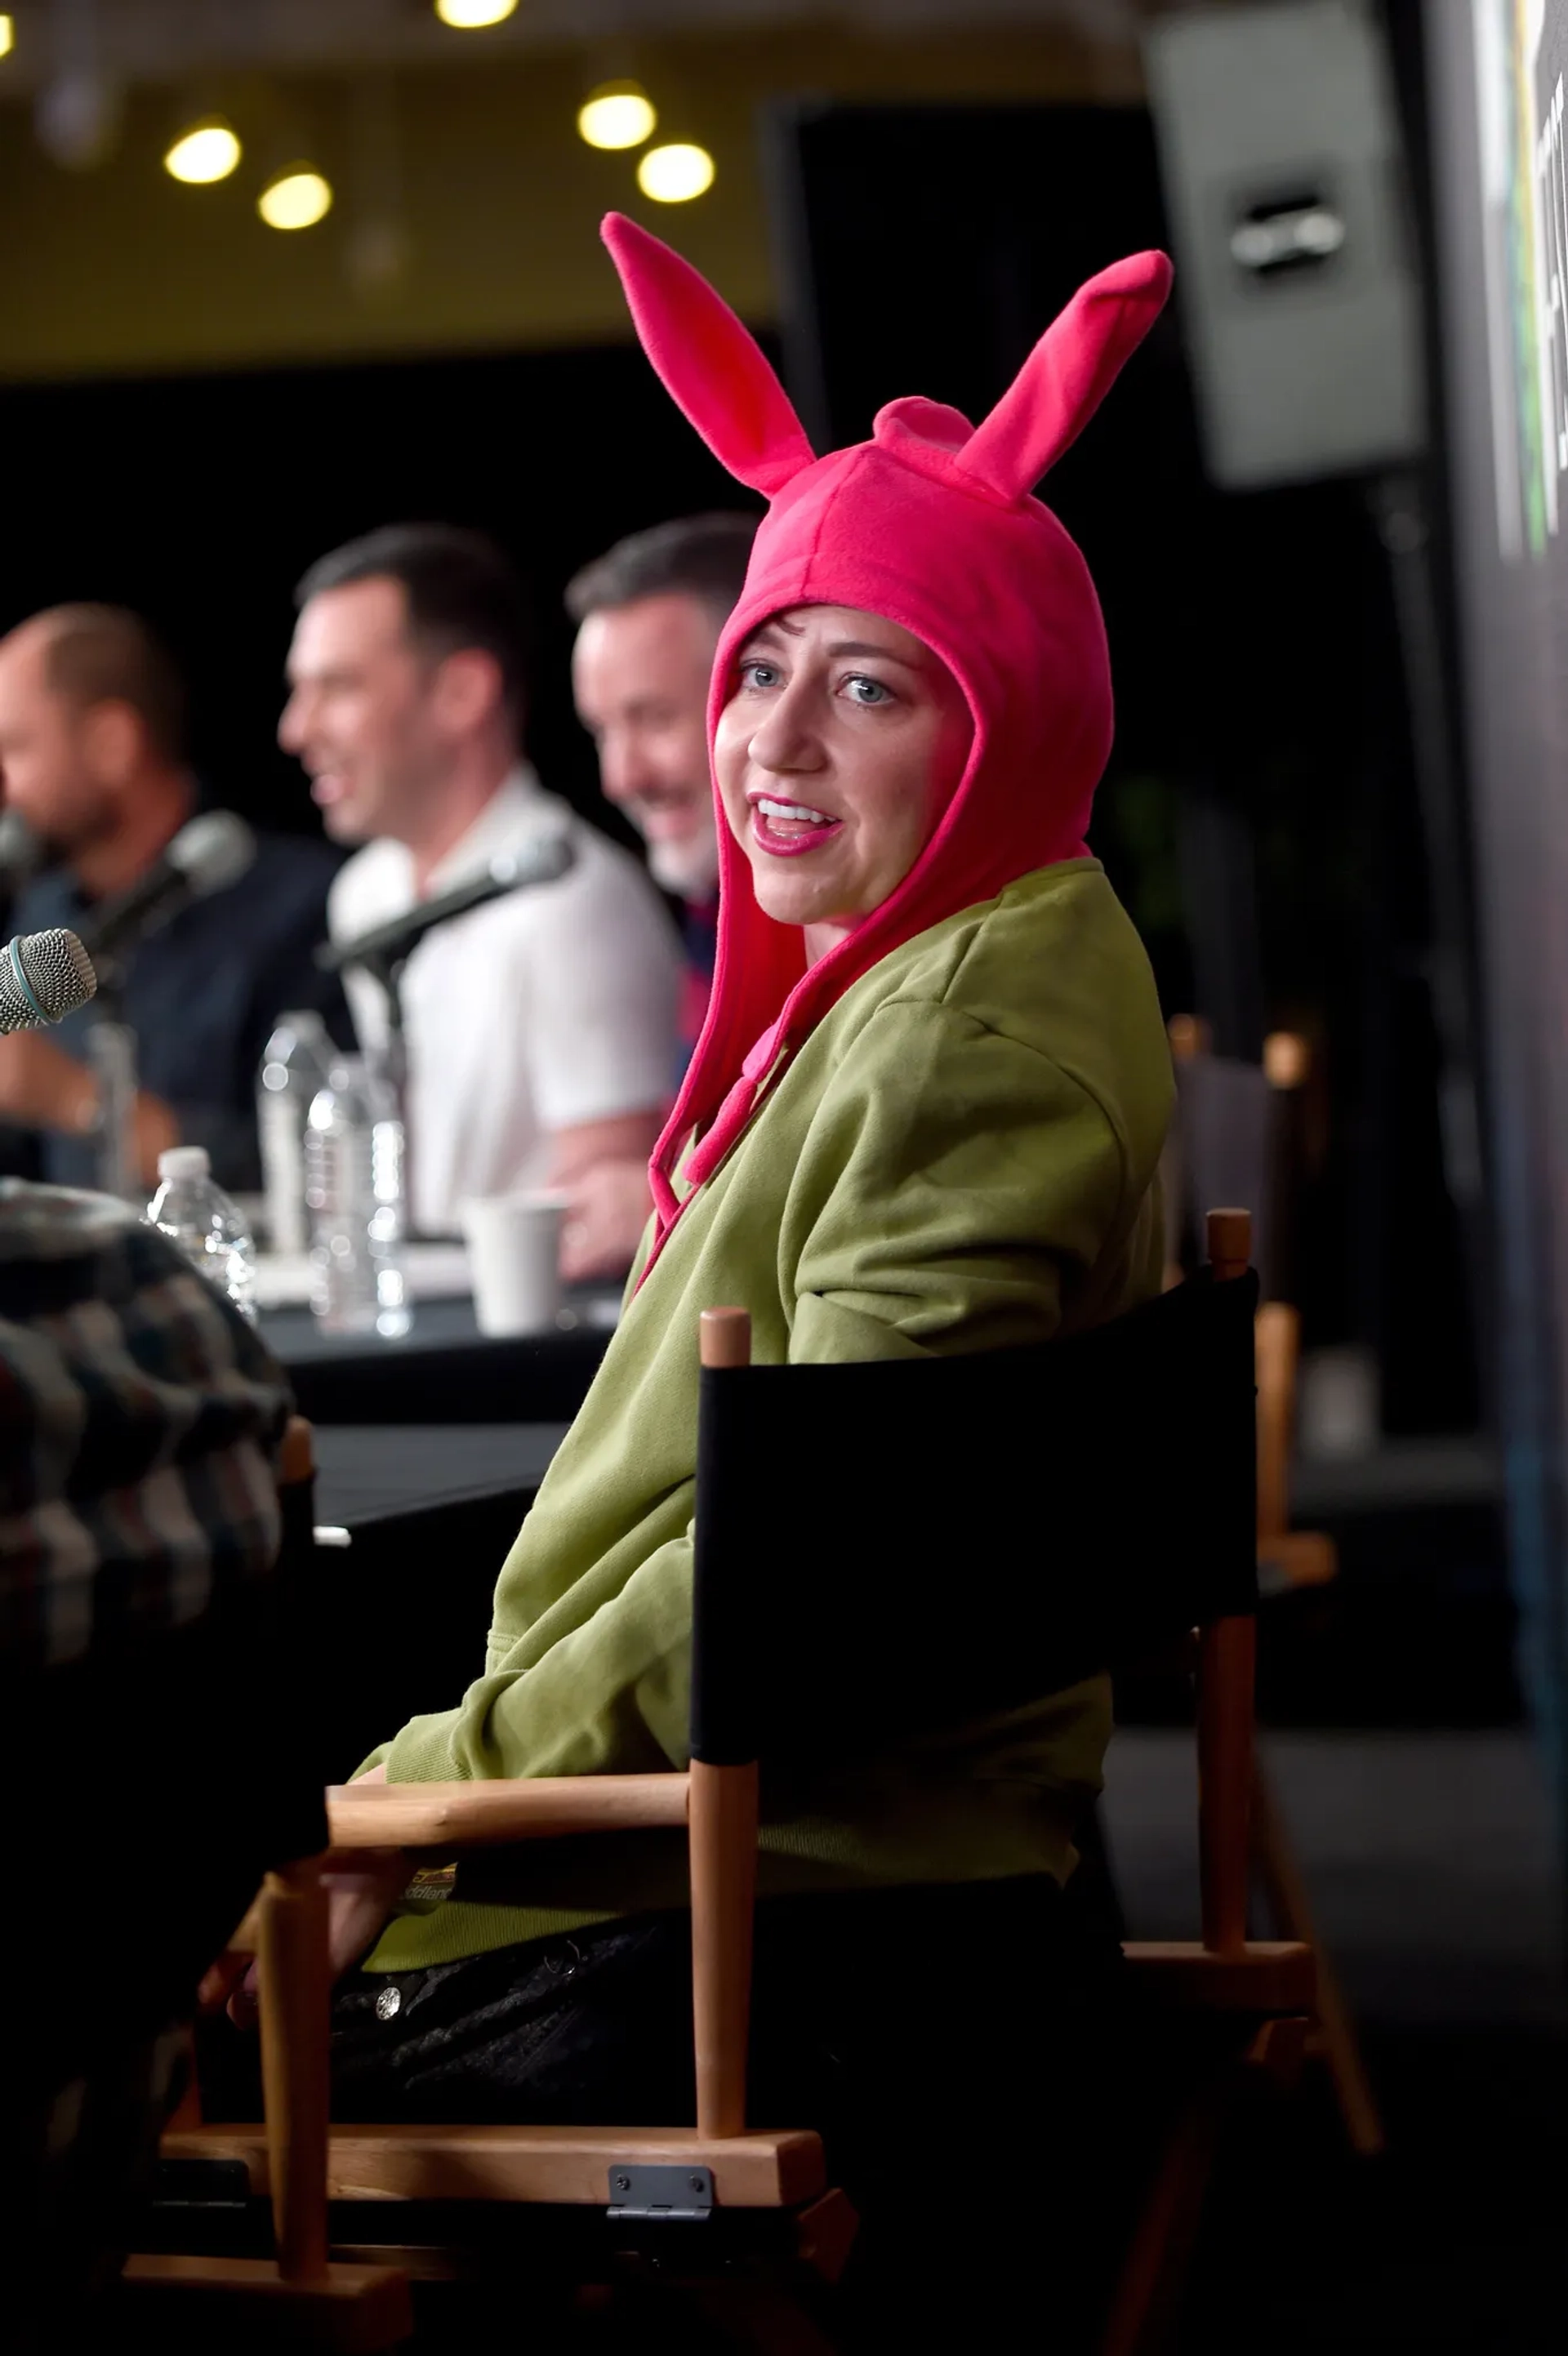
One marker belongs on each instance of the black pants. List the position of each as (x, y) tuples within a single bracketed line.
[(955, 2046)]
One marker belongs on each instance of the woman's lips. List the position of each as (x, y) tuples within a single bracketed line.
[(787, 836)]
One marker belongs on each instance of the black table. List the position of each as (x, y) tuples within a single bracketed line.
[(396, 1616), (445, 1371)]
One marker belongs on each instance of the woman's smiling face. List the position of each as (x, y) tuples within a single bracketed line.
[(839, 749)]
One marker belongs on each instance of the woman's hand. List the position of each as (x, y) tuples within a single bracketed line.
[(362, 1885)]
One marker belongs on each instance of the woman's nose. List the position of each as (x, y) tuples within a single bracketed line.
[(784, 740)]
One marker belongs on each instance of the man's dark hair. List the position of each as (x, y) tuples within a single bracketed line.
[(702, 556), (105, 654), (460, 591)]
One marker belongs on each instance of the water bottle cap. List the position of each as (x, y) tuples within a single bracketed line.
[(185, 1161)]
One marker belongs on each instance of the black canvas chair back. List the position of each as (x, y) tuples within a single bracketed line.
[(886, 1549)]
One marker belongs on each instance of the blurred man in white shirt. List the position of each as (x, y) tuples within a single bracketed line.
[(648, 614), (540, 1027)]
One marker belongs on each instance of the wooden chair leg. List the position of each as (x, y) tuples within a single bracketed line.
[(295, 1992), (723, 1832), (298, 2296), (1284, 1888), (1144, 2308)]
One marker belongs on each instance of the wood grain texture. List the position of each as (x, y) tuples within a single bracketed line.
[(762, 2170), (723, 1886), (296, 1995), (354, 2309), (1267, 1975), (724, 1337), (461, 1815)]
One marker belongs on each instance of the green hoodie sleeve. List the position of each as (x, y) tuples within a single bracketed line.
[(954, 1189)]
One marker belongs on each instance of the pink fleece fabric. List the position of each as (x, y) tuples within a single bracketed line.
[(931, 523)]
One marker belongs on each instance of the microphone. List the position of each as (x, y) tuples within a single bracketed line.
[(542, 861), (43, 978), (21, 852), (208, 852)]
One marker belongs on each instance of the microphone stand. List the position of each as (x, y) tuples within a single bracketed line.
[(391, 1067), (112, 1057), (383, 953)]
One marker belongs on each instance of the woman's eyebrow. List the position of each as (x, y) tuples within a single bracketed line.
[(862, 648)]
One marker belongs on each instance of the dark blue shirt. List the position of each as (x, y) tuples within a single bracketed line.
[(700, 939), (202, 995)]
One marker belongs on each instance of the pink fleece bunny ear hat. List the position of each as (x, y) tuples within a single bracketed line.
[(931, 523)]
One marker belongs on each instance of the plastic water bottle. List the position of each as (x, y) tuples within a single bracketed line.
[(209, 1228), (299, 1057), (353, 1187)]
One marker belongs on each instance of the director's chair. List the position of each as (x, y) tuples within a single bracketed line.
[(1133, 1562)]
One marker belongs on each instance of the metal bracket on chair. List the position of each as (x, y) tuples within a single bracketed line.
[(640, 2190)]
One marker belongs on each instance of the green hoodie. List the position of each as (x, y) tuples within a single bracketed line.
[(961, 1156)]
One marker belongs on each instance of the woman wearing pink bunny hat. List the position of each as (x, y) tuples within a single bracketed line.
[(925, 1114)]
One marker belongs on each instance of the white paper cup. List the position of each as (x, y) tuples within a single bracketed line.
[(514, 1260)]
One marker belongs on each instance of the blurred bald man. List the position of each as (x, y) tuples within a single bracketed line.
[(92, 760), (648, 614)]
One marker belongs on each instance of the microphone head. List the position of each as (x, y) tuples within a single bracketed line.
[(43, 978), (212, 849)]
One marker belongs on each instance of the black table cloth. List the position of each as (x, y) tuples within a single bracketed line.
[(399, 1614), (444, 1372)]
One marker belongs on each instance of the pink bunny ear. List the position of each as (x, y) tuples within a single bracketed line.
[(1067, 376), (709, 363)]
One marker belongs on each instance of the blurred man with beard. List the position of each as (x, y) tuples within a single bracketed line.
[(93, 768), (648, 614)]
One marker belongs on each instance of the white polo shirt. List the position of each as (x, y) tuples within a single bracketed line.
[(553, 1005)]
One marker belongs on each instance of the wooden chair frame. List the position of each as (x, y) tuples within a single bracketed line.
[(1288, 1559), (300, 2162)]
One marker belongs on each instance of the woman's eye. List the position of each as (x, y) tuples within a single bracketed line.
[(868, 691), (757, 673)]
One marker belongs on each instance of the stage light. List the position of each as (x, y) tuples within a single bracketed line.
[(674, 173), (468, 15), (205, 151), (617, 114), (7, 35), (296, 198)]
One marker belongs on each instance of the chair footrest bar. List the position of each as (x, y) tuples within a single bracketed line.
[(565, 2166), (356, 2309), (1267, 1975)]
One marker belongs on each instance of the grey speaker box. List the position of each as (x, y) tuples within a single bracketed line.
[(1280, 153)]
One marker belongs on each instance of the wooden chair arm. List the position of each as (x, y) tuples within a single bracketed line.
[(463, 1815), (1265, 1976), (1296, 1559)]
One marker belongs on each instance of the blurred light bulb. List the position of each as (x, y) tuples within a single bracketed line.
[(468, 15), (207, 150), (297, 198), (7, 35), (673, 175), (617, 114)]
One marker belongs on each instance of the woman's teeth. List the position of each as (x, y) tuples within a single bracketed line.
[(792, 810)]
